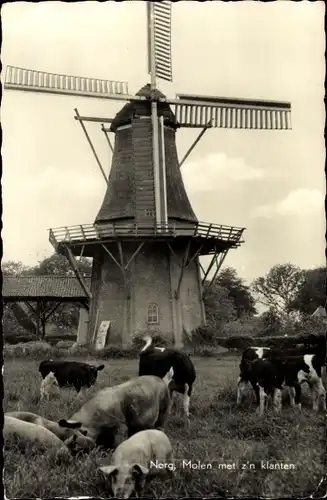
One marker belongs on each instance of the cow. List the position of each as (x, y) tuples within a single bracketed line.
[(157, 361), (23, 434), (271, 374), (249, 355), (145, 455), (138, 404), (71, 373), (316, 344)]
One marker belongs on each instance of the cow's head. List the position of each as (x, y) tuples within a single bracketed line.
[(125, 478), (94, 373)]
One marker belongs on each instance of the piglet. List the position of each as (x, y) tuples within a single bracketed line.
[(144, 455), (25, 434)]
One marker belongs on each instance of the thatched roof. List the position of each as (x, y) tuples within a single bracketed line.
[(35, 287), (143, 108)]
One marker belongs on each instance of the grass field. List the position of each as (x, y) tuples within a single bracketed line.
[(219, 434)]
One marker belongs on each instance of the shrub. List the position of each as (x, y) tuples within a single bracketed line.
[(203, 335), (54, 339), (117, 352), (158, 339), (32, 349), (79, 350), (20, 338), (243, 327), (64, 344)]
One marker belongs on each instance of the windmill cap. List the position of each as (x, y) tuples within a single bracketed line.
[(143, 108)]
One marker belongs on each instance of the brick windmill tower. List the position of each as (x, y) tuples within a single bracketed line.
[(146, 240)]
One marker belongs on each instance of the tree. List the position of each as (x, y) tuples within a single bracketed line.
[(238, 292), (271, 323), (218, 305), (15, 268), (312, 292), (278, 289), (58, 265)]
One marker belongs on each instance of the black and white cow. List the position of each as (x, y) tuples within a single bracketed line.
[(312, 355), (271, 374), (158, 360), (246, 377), (71, 373)]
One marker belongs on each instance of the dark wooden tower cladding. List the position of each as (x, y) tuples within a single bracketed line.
[(131, 195)]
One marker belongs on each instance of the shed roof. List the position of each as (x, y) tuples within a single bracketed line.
[(36, 287)]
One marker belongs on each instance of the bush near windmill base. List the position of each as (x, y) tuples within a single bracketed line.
[(219, 434)]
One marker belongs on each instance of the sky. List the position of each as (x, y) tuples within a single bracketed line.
[(271, 182)]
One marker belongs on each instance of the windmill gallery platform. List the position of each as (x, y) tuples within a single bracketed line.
[(146, 276)]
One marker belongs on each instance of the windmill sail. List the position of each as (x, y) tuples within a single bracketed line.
[(159, 39), (221, 112), (53, 83)]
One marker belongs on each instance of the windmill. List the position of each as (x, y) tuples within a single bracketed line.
[(146, 240)]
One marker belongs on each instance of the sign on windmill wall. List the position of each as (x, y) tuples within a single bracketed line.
[(320, 313), (102, 334)]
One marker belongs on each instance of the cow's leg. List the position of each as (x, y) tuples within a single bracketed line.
[(186, 404), (318, 393), (255, 387), (277, 400), (241, 389), (291, 392), (262, 400), (173, 402), (82, 392), (297, 399)]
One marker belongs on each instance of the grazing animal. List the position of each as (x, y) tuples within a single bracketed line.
[(271, 374), (49, 387), (249, 355), (137, 459), (316, 347), (157, 361), (18, 432), (66, 435), (71, 373), (138, 404)]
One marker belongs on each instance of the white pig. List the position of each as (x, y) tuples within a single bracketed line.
[(137, 459)]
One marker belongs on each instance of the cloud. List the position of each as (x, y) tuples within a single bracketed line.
[(217, 171), (57, 182), (298, 202)]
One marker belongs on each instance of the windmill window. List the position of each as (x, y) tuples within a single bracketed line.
[(150, 213), (153, 314)]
